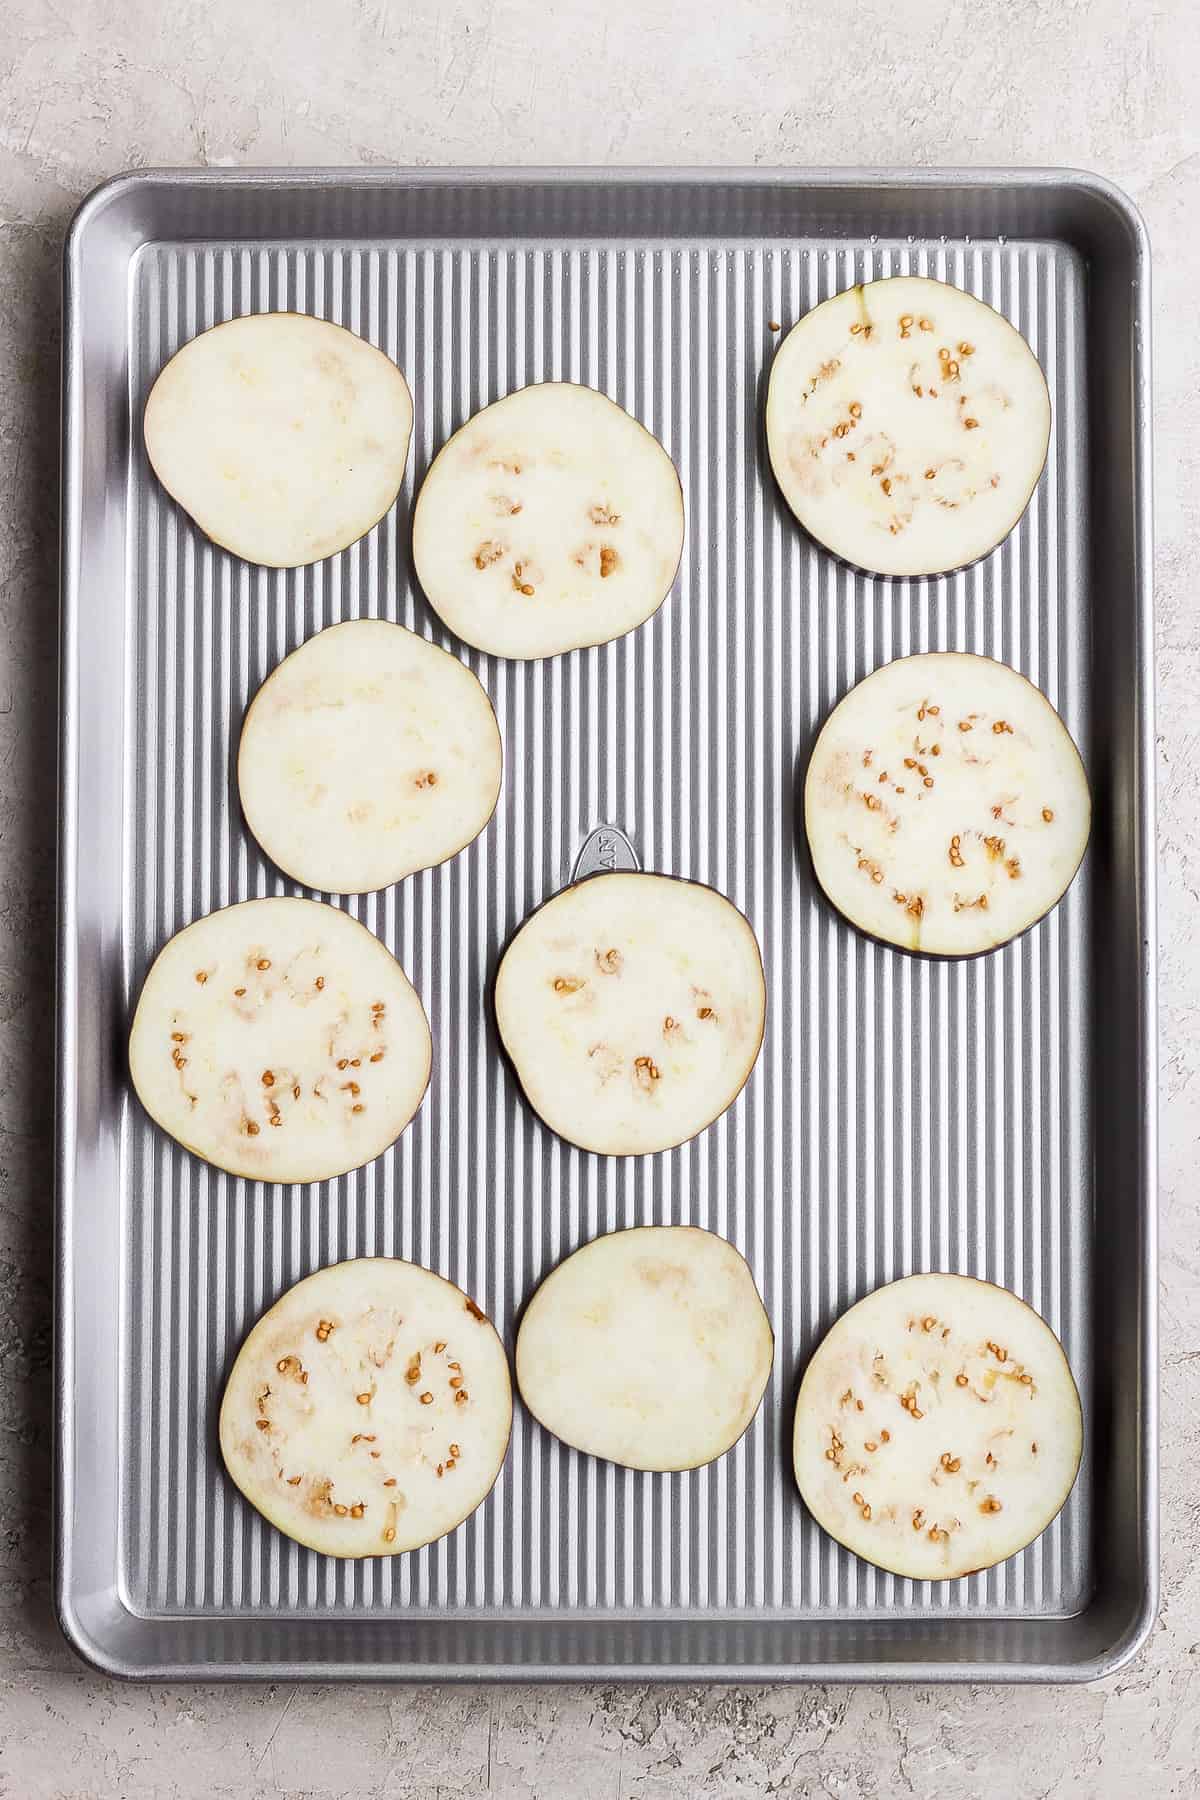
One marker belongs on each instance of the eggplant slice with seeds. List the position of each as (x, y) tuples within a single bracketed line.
[(552, 520), (907, 425), (280, 1040), (650, 1347), (368, 1410), (946, 805), (938, 1427), (632, 1006)]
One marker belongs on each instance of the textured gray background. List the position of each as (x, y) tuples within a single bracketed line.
[(89, 88)]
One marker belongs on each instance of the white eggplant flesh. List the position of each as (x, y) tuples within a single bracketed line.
[(280, 1040), (369, 1410), (946, 805), (632, 1006), (284, 437), (649, 1347), (938, 1427), (367, 754), (907, 425), (551, 521)]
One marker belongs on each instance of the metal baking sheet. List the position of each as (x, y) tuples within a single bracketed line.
[(993, 1117)]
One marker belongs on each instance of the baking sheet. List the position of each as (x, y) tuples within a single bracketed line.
[(993, 1117)]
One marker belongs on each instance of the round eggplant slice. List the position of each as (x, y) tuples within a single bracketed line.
[(367, 754), (280, 1040), (550, 521), (649, 1347), (946, 805), (284, 437), (938, 1428), (632, 1007), (369, 1409), (907, 425)]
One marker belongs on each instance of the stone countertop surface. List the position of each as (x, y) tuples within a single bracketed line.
[(97, 86)]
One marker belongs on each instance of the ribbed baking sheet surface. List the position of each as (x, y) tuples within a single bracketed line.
[(903, 1115)]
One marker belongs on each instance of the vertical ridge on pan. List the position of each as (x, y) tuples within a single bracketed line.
[(745, 603), (638, 747), (763, 653), (696, 574), (802, 595), (551, 355), (677, 389), (780, 1572), (724, 400), (658, 337)]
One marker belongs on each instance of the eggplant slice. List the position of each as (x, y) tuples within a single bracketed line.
[(907, 425), (280, 1040), (946, 805), (284, 437), (550, 521), (367, 754), (368, 1410), (632, 1007), (938, 1427), (650, 1347)]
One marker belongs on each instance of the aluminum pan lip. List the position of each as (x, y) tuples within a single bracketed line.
[(860, 176), (1036, 179)]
